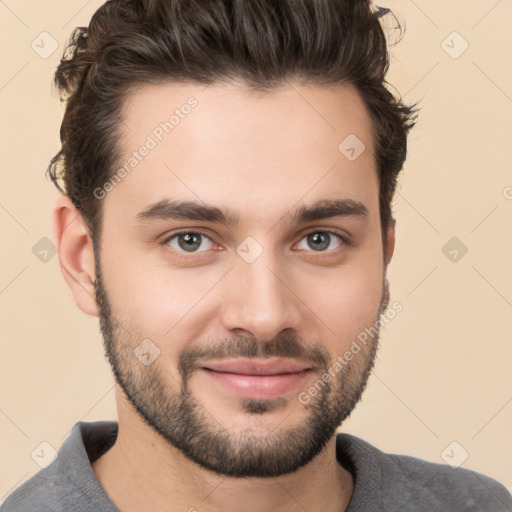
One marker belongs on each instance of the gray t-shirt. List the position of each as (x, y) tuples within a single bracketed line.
[(383, 482)]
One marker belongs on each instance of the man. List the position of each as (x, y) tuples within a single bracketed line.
[(228, 170)]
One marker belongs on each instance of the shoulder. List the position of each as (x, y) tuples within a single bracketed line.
[(68, 483), (411, 483), (444, 485), (39, 492)]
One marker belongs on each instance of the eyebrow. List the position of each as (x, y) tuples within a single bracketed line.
[(167, 209)]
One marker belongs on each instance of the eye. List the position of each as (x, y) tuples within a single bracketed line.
[(188, 241), (323, 241)]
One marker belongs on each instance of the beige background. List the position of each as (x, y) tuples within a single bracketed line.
[(443, 373)]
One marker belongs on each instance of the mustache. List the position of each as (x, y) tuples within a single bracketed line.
[(285, 346)]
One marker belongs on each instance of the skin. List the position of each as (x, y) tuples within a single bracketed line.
[(261, 155)]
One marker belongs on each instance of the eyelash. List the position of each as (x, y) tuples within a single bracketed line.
[(322, 254)]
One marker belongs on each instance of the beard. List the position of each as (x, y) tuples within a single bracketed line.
[(181, 420)]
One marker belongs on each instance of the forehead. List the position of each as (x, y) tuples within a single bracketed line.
[(227, 144), (224, 112)]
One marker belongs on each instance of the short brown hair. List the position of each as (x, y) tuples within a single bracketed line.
[(262, 42)]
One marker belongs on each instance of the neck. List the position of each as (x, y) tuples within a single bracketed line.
[(143, 472)]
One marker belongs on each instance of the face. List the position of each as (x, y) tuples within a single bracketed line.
[(240, 257)]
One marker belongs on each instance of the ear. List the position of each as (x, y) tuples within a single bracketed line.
[(390, 242), (76, 255)]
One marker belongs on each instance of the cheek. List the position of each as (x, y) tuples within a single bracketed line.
[(348, 301), (154, 301)]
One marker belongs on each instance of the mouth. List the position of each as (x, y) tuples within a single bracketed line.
[(257, 379)]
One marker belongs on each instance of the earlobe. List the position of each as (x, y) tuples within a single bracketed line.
[(76, 255)]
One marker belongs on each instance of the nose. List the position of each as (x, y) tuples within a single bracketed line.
[(260, 301)]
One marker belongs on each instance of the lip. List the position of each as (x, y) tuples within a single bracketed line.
[(257, 379), (257, 366)]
